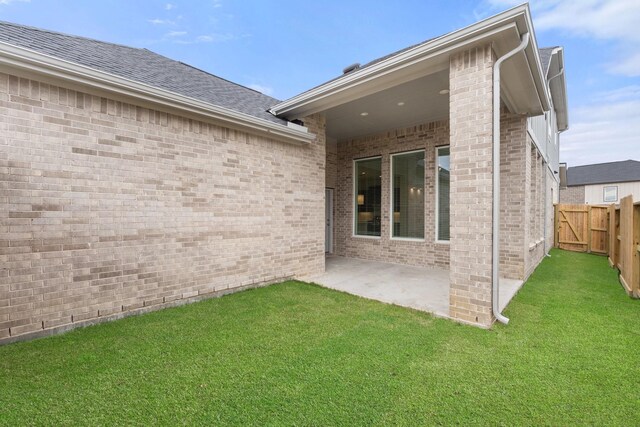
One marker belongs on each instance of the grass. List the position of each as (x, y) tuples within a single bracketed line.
[(298, 354)]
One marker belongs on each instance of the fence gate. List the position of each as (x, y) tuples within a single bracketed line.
[(582, 228)]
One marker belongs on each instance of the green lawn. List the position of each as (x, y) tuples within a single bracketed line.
[(298, 354)]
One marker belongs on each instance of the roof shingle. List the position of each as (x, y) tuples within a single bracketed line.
[(604, 173), (142, 66)]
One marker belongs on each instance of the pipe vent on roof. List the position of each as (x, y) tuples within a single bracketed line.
[(351, 68)]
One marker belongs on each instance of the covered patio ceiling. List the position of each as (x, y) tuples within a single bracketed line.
[(417, 74), (414, 102)]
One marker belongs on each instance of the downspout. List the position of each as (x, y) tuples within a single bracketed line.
[(546, 213), (496, 178)]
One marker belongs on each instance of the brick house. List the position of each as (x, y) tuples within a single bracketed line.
[(132, 182)]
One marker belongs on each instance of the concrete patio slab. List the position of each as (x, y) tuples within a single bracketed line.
[(421, 288)]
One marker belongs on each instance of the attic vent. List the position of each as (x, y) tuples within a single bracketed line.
[(351, 68)]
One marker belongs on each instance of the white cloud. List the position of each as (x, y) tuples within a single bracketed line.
[(601, 19), (262, 89), (625, 93), (627, 65), (169, 6), (607, 130), (14, 1), (609, 20), (210, 38), (217, 3), (205, 38), (158, 21)]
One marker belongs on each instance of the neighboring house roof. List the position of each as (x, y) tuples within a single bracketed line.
[(604, 173), (142, 66)]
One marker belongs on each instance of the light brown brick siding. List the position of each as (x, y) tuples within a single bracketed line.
[(107, 207), (470, 111), (513, 146), (572, 194), (421, 253), (535, 200)]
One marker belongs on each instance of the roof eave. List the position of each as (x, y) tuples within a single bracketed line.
[(505, 21), (34, 62)]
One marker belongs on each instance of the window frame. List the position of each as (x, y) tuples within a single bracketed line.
[(604, 193), (437, 194), (392, 194), (354, 200)]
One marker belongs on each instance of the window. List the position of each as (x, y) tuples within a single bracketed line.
[(610, 193), (407, 181), (442, 193), (368, 196)]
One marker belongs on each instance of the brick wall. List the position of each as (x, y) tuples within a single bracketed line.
[(513, 147), (470, 111), (572, 194), (421, 253), (534, 247), (108, 207)]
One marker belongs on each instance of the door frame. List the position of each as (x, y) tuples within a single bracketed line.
[(328, 222)]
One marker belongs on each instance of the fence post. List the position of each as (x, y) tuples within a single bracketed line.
[(627, 249), (588, 229), (635, 276), (613, 238), (556, 229)]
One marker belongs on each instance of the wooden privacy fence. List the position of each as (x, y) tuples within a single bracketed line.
[(624, 241), (612, 230), (582, 228)]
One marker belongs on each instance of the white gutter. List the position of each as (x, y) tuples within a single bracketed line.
[(561, 72), (495, 279), (29, 60)]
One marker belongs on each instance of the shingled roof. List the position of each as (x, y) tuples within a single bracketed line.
[(604, 173), (141, 66)]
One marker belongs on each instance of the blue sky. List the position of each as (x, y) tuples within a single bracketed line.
[(283, 48)]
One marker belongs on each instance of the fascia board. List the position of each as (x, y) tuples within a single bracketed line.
[(539, 77)]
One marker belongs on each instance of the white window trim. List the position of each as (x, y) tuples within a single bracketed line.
[(391, 188), (354, 205), (437, 193), (604, 193)]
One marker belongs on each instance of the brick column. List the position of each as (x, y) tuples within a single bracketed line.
[(470, 111)]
